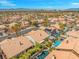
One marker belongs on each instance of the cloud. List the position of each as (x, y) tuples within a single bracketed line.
[(75, 4), (6, 3)]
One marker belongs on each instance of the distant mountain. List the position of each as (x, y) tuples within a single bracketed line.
[(72, 9), (38, 10), (17, 9), (26, 9)]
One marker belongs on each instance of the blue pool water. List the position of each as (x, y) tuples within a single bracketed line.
[(43, 55), (57, 43)]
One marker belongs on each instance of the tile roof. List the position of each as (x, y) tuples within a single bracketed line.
[(61, 55), (12, 47), (68, 43), (38, 35), (73, 33)]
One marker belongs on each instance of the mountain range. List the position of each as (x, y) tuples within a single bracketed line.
[(26, 9)]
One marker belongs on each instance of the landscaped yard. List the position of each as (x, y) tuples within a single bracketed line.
[(36, 49), (30, 52)]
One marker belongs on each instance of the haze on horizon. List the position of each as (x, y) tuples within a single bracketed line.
[(39, 4)]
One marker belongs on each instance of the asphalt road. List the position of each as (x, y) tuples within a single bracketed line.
[(19, 33)]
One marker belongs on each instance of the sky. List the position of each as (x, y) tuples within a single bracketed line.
[(39, 4)]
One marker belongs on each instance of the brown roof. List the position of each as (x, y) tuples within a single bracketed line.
[(61, 55), (38, 35), (68, 43), (54, 27), (73, 33), (12, 47)]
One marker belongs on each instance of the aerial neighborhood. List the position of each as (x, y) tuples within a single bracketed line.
[(39, 35)]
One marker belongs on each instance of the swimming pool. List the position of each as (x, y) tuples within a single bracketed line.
[(43, 55), (57, 43)]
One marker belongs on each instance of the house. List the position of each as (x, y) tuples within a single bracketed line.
[(68, 49), (53, 20), (40, 21), (14, 47), (70, 43), (61, 19), (38, 35), (57, 54), (2, 27), (16, 17), (56, 26), (73, 33), (3, 30), (24, 24), (77, 26), (77, 22)]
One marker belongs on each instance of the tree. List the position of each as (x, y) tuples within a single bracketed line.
[(15, 27), (61, 25), (46, 22)]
